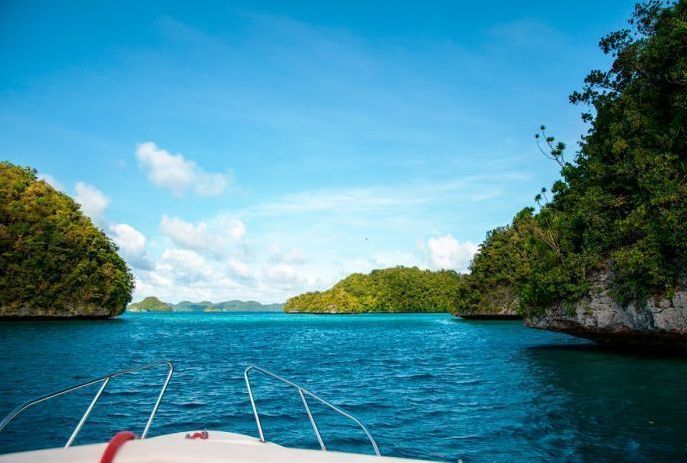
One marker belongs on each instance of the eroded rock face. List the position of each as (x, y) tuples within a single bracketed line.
[(659, 324), (81, 311)]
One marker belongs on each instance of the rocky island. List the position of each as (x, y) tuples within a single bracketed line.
[(153, 304), (604, 254), (149, 304), (55, 263), (398, 289)]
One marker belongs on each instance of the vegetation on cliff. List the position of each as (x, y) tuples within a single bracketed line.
[(621, 204), (53, 261), (150, 304), (398, 289), (500, 266)]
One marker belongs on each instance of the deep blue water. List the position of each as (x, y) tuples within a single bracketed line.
[(427, 386)]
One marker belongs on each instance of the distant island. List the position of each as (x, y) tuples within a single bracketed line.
[(153, 304), (397, 289)]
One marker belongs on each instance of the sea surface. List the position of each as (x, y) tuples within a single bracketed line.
[(427, 386)]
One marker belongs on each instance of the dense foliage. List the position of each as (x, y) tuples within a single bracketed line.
[(150, 304), (501, 265), (398, 289), (621, 204), (53, 261)]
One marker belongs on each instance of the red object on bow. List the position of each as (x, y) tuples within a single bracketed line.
[(115, 443), (198, 435)]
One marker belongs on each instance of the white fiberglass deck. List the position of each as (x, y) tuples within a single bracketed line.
[(219, 447)]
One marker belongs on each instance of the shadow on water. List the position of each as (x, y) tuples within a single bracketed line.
[(590, 347), (626, 403), (19, 321)]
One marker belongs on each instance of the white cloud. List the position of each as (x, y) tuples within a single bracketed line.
[(184, 266), (237, 230), (448, 253), (93, 201), (347, 203), (129, 240), (286, 276), (239, 268), (294, 256), (132, 244), (175, 173), (186, 274), (185, 234), (271, 274), (213, 238)]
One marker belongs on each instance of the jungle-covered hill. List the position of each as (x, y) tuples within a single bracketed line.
[(619, 209), (150, 304), (54, 263), (398, 289)]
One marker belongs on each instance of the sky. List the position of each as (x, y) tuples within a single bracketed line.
[(256, 150)]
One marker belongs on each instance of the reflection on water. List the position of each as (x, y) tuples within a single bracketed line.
[(427, 386)]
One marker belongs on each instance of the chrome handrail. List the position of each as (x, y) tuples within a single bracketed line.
[(105, 380), (303, 392)]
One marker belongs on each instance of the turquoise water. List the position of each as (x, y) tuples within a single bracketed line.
[(427, 386)]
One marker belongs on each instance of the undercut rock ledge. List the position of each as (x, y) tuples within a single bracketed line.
[(661, 324)]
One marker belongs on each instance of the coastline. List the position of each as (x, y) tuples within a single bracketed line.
[(366, 313), (52, 318), (479, 316)]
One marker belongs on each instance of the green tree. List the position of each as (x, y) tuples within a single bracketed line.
[(398, 289), (501, 266), (621, 204), (53, 260), (153, 304)]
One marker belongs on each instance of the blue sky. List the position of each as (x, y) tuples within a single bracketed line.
[(260, 149)]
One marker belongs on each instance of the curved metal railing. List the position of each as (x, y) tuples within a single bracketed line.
[(302, 392), (105, 380)]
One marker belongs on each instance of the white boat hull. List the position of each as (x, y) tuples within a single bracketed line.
[(219, 447)]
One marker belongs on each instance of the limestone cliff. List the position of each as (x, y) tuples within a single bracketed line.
[(660, 323)]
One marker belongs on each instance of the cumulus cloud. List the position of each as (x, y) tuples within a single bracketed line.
[(446, 252), (214, 237), (132, 244), (93, 201), (177, 174), (239, 268), (186, 274), (185, 234), (184, 266), (286, 276)]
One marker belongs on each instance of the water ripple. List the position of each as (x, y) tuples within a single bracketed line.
[(427, 386)]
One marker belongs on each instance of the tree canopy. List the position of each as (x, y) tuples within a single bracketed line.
[(53, 260), (150, 304), (398, 289), (621, 203)]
